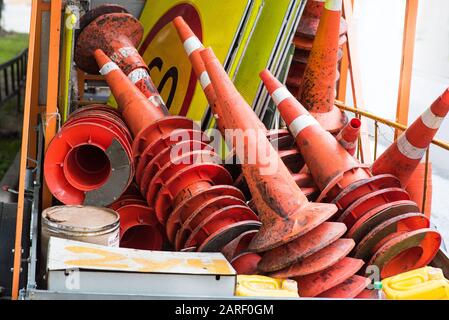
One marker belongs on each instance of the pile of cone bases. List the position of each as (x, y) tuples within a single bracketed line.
[(302, 207)]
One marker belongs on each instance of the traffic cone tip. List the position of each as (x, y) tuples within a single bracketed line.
[(333, 5), (355, 123), (190, 41), (317, 89)]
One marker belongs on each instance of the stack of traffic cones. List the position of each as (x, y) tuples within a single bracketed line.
[(385, 224), (303, 42), (139, 227), (244, 261), (176, 171), (89, 161), (184, 176), (294, 238)]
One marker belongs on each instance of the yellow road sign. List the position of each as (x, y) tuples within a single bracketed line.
[(267, 47), (216, 24), (263, 48)]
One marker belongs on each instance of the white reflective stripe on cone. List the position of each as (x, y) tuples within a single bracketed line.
[(431, 120), (346, 144), (156, 100), (280, 94), (409, 150), (127, 51), (108, 67), (204, 80), (192, 44), (300, 123), (138, 74), (123, 53), (333, 5)]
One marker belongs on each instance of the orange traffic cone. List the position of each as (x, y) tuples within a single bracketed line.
[(279, 138), (303, 247), (317, 91), (190, 181), (349, 289), (310, 19), (111, 28), (365, 201), (314, 284), (303, 41), (289, 220), (404, 155), (129, 98), (349, 135), (340, 169), (284, 210), (415, 187), (193, 47), (98, 132), (139, 228)]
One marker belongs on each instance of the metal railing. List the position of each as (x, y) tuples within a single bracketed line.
[(12, 78), (394, 125)]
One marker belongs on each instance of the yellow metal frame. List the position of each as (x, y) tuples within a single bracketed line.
[(49, 110)]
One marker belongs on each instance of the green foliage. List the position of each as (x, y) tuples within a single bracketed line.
[(8, 150), (11, 44)]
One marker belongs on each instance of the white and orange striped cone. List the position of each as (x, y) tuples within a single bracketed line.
[(193, 46), (280, 138), (303, 41), (349, 135), (415, 187), (317, 91), (366, 202), (404, 155), (111, 28)]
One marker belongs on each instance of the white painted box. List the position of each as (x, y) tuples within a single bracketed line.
[(74, 266)]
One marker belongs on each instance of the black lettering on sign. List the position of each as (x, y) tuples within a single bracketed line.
[(171, 73)]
